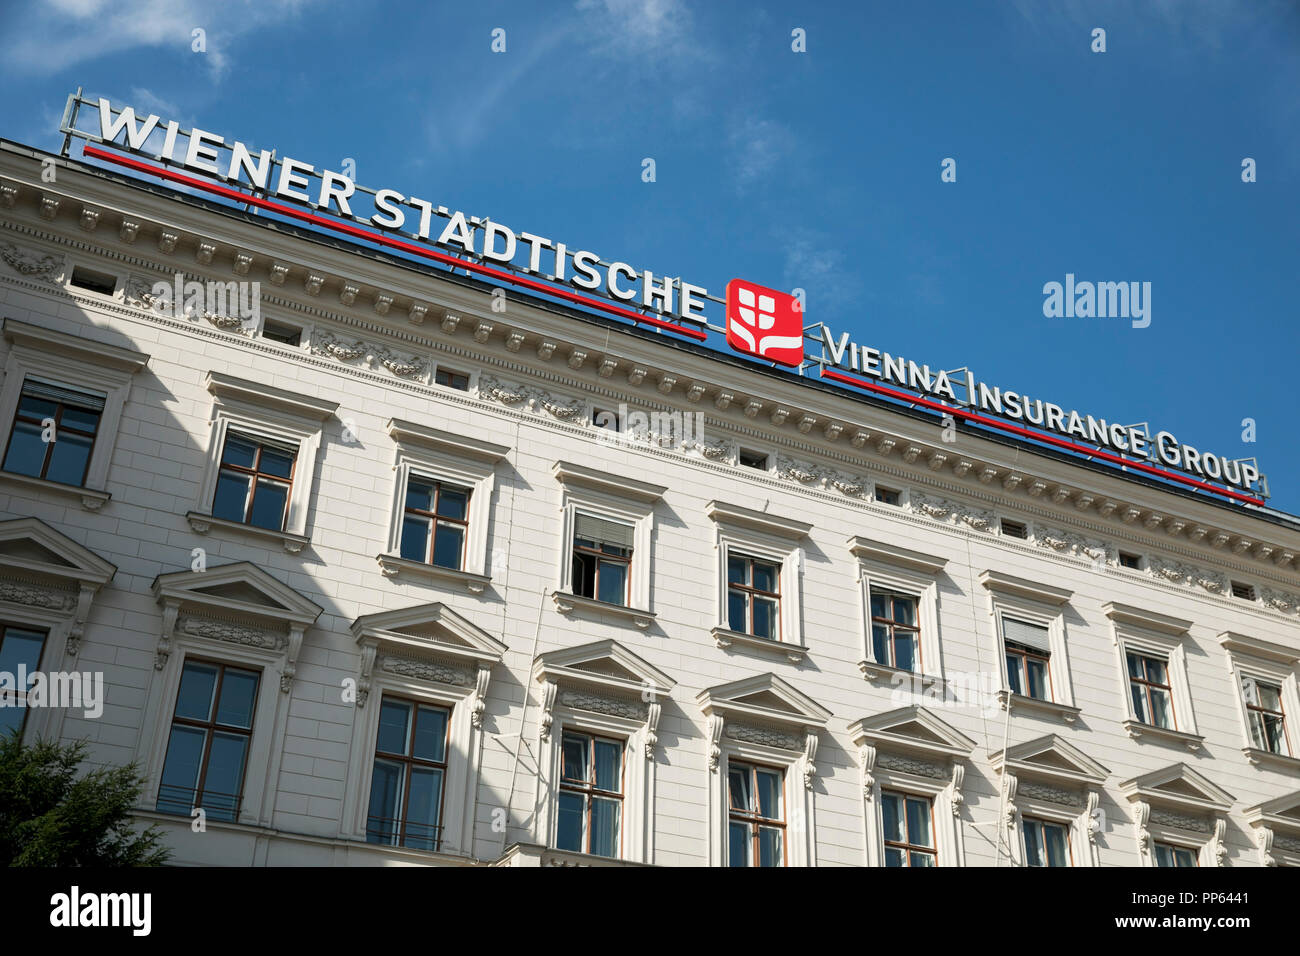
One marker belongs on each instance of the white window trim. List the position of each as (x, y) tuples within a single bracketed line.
[(1277, 830), (461, 687), (1155, 635), (42, 353), (615, 498), (909, 573), (261, 411), (561, 685), (761, 535), (1076, 831), (1163, 817), (282, 627), (1272, 664), (1045, 606), (456, 460), (54, 598), (890, 760), (754, 733)]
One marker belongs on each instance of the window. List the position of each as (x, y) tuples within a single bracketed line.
[(602, 559), (756, 825), (888, 496), (20, 648), (53, 432), (590, 802), (1046, 844), (1245, 592), (261, 458), (1264, 713), (282, 332), (207, 752), (254, 482), (102, 282), (406, 785), (1127, 560), (1028, 651), (753, 459), (451, 379), (1167, 854), (42, 377), (909, 829), (1151, 691), (895, 634), (435, 523), (754, 596), (609, 421), (1014, 529)]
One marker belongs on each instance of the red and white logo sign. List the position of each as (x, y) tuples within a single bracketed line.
[(764, 323)]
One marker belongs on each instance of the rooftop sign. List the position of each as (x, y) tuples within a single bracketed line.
[(763, 323)]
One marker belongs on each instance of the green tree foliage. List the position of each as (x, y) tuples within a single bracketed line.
[(52, 816)]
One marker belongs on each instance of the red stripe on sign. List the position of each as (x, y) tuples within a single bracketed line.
[(1036, 436), (384, 240)]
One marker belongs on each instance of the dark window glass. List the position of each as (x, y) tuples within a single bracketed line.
[(53, 432), (254, 482), (451, 379), (407, 781), (895, 633), (591, 795), (20, 647), (908, 826), (435, 523), (207, 751), (602, 559), (756, 815), (754, 596)]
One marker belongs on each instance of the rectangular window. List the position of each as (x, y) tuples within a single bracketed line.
[(1267, 722), (104, 283), (754, 596), (54, 432), (753, 459), (1245, 592), (590, 809), (281, 332), (888, 496), (1028, 651), (909, 830), (756, 822), (1169, 855), (895, 633), (1046, 844), (452, 379), (1014, 529), (602, 559), (254, 482), (207, 751), (410, 769), (1152, 695), (1127, 560), (19, 647), (435, 523)]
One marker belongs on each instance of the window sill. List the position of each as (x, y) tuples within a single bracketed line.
[(1020, 701), (201, 523), (1136, 728), (394, 566), (91, 500), (1271, 760), (795, 653), (568, 603), (874, 671)]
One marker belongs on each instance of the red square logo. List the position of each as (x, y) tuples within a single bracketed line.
[(764, 323)]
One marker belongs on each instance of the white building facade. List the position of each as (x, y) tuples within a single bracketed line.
[(369, 583)]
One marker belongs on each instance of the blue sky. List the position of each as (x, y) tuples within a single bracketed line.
[(819, 170)]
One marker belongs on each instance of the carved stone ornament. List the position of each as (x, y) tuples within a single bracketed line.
[(581, 700), (1181, 821), (943, 510), (344, 350), (764, 736), (424, 670), (806, 473), (230, 632), (529, 397), (36, 595), (30, 264), (1067, 542), (920, 768), (1043, 791), (1280, 600)]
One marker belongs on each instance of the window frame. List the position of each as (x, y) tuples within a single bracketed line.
[(58, 426), (254, 475), (1146, 683), (908, 848), (434, 518), (210, 728), (1032, 819), (1269, 663), (598, 557), (409, 762), (9, 621), (1040, 605), (1148, 634), (1175, 848), (755, 821), (74, 362), (751, 593), (589, 792), (888, 568)]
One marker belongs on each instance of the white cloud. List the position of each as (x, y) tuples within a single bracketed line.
[(144, 99), (57, 35), (638, 27), (757, 148)]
